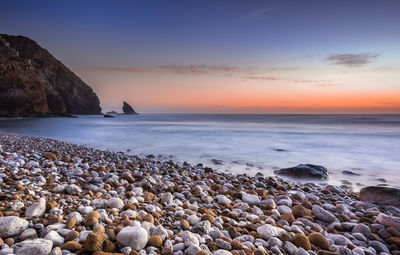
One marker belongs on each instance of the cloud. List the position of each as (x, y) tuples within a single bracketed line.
[(258, 14), (318, 83), (262, 78), (115, 69), (353, 60), (252, 73), (179, 69), (197, 69)]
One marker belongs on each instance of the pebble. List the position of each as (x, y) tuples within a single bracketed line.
[(319, 240), (12, 225), (301, 241), (55, 238), (37, 209), (133, 237), (155, 241), (85, 201), (36, 246), (115, 202), (267, 231), (323, 215)]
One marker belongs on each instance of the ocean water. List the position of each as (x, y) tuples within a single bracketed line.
[(368, 145)]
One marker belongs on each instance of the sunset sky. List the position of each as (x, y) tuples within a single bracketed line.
[(224, 56)]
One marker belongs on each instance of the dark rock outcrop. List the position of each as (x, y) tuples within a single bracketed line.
[(380, 195), (304, 171), (34, 83), (127, 109)]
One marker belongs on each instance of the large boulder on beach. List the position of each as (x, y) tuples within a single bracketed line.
[(134, 237), (304, 171), (37, 246), (127, 109), (35, 83), (12, 225), (380, 195)]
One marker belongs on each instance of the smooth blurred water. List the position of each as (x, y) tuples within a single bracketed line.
[(364, 144)]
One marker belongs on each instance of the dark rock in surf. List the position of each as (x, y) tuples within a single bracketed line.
[(346, 172), (127, 109), (217, 161), (380, 195), (304, 171), (108, 116), (34, 83)]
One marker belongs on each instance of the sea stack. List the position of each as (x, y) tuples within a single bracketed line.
[(34, 83), (127, 109)]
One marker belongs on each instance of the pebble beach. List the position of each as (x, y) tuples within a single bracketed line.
[(62, 198)]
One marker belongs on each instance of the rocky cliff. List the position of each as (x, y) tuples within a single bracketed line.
[(34, 83)]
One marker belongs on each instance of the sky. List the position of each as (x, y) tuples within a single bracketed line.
[(223, 56)]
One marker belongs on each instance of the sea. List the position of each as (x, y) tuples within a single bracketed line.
[(366, 145)]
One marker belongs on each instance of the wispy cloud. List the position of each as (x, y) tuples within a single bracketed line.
[(198, 69), (179, 69), (318, 83), (257, 14), (353, 60), (252, 73), (262, 78), (116, 69)]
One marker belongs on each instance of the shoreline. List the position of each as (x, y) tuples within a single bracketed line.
[(88, 201)]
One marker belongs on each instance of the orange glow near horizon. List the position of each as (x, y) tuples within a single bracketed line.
[(194, 93)]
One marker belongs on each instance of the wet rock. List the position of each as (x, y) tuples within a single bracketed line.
[(380, 195), (304, 171), (347, 172)]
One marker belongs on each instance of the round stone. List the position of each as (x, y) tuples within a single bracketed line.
[(55, 238), (300, 240), (155, 241), (115, 202), (319, 240), (36, 246), (36, 209), (134, 237), (12, 225)]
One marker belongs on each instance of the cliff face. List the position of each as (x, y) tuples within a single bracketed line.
[(34, 83)]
